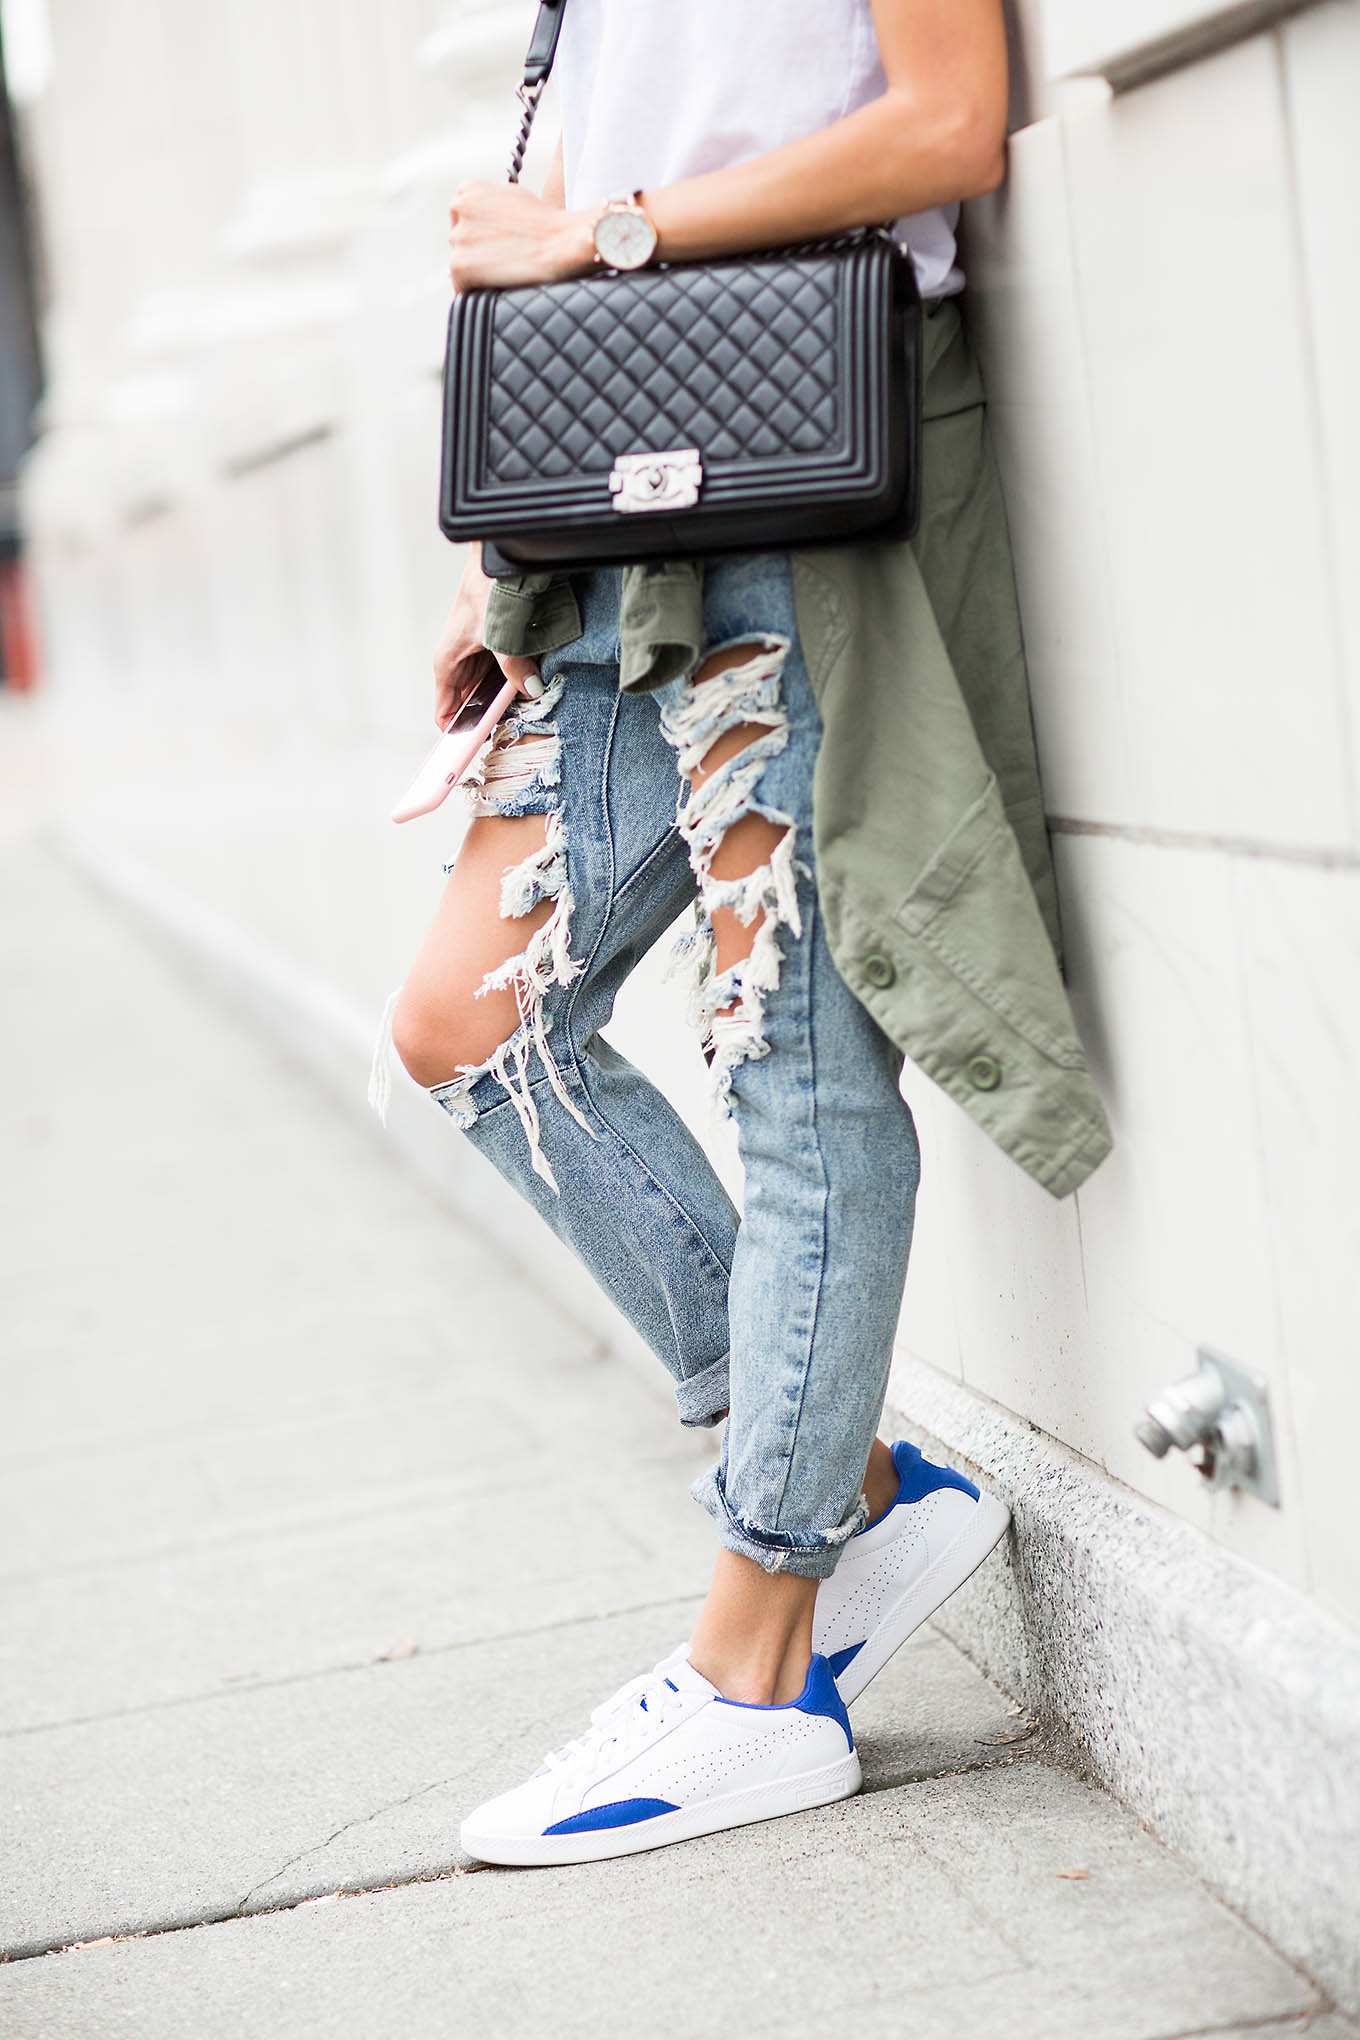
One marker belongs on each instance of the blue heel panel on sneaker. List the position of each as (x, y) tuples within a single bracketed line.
[(820, 1695), (921, 1477), (618, 1813)]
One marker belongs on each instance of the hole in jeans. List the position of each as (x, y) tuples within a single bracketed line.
[(518, 776), (728, 722)]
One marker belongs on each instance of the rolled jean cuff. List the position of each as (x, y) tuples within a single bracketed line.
[(811, 1558), (702, 1398)]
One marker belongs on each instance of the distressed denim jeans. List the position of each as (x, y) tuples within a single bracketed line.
[(784, 1317)]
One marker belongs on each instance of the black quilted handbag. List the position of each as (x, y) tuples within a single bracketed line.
[(748, 403)]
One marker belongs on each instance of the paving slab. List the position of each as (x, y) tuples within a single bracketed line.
[(360, 1777), (285, 1603), (262, 1396), (191, 1237), (141, 1499), (931, 1909)]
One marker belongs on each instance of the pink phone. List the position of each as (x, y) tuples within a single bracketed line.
[(456, 749)]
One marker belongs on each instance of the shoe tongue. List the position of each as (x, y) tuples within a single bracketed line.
[(685, 1679)]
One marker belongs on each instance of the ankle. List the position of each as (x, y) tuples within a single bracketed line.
[(758, 1678), (881, 1480), (753, 1638)]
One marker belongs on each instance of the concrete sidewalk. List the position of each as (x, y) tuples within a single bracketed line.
[(320, 1524)]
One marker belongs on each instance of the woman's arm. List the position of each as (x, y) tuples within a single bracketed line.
[(938, 133), (555, 183)]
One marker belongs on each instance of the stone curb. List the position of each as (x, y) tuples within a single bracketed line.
[(1220, 1705)]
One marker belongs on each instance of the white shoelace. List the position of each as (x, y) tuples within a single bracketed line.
[(631, 1716), (636, 1687)]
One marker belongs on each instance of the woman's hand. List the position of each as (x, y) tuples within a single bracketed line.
[(500, 234), (461, 658)]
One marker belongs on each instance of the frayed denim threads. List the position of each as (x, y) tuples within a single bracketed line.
[(785, 1316)]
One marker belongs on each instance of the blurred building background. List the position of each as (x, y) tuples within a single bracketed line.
[(231, 518), (20, 383)]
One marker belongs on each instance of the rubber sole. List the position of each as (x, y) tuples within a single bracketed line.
[(956, 1563), (777, 1796)]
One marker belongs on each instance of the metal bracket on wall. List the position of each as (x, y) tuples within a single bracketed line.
[(1221, 1414)]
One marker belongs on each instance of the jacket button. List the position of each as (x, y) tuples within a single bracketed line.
[(984, 1072), (879, 970)]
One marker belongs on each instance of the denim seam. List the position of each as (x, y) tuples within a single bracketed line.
[(667, 842), (505, 1103), (583, 979), (811, 952), (688, 1216)]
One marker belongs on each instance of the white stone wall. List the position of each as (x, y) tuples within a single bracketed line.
[(242, 582), (1170, 321)]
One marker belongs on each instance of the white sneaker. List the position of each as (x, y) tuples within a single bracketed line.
[(666, 1759), (896, 1572)]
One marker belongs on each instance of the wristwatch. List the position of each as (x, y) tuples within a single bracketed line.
[(624, 235)]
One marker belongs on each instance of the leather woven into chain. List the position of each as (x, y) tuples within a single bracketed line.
[(528, 96)]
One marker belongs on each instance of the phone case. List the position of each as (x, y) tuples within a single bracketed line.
[(449, 761)]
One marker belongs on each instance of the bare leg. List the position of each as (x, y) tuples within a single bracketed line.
[(444, 1021), (881, 1480), (753, 1638)]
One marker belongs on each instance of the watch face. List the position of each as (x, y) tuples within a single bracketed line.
[(625, 239)]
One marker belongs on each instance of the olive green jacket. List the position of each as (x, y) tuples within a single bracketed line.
[(932, 857)]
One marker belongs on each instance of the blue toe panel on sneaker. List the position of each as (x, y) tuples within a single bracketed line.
[(618, 1813), (921, 1477)]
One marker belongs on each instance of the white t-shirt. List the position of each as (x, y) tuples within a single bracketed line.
[(655, 90)]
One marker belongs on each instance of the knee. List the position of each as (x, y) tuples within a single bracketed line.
[(432, 1044)]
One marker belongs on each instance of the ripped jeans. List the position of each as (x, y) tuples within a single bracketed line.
[(784, 1317)]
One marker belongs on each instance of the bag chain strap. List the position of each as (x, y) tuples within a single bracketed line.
[(537, 64), (528, 97)]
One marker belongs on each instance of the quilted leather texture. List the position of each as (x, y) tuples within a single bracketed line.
[(795, 375), (739, 360)]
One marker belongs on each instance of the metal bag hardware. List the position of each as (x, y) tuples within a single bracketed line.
[(657, 481)]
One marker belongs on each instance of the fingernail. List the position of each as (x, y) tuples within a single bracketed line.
[(533, 685)]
